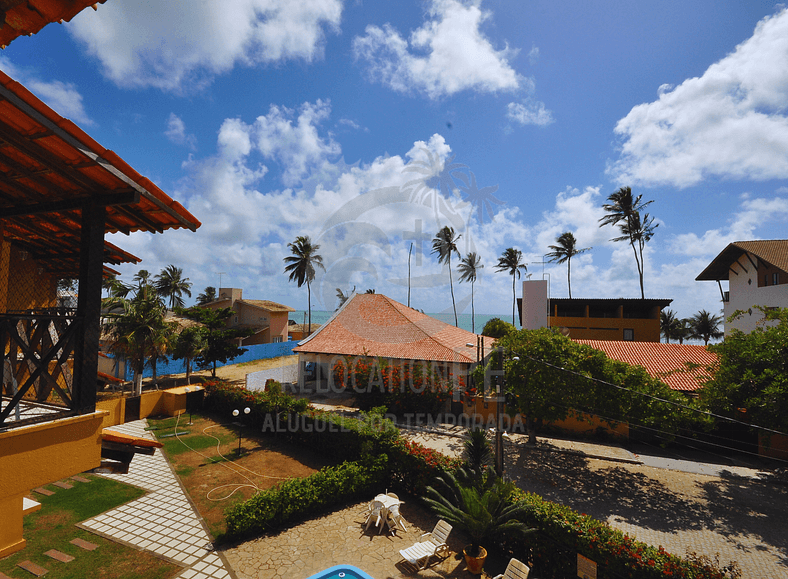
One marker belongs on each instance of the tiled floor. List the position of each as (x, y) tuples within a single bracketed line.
[(163, 521)]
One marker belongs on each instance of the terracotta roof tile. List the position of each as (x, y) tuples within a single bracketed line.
[(376, 325), (663, 361)]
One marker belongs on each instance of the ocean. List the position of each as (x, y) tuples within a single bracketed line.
[(463, 320)]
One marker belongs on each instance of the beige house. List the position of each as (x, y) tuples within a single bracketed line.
[(268, 319), (757, 275)]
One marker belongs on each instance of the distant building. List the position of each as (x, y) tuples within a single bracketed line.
[(268, 319), (376, 326), (617, 319), (298, 332), (757, 275)]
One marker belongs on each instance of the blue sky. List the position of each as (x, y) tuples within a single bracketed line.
[(361, 124)]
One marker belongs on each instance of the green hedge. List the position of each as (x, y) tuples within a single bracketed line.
[(617, 554), (295, 499)]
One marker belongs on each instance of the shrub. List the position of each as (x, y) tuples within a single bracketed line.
[(296, 498), (408, 387)]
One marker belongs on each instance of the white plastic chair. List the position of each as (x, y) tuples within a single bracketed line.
[(429, 544), (375, 512), (394, 519), (515, 570)]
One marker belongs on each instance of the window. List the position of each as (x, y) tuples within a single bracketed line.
[(775, 278), (629, 335), (276, 339), (236, 319)]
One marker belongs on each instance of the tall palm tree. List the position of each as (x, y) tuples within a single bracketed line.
[(444, 244), (469, 269), (511, 261), (191, 342), (141, 278), (171, 284), (564, 252), (207, 296), (301, 266), (624, 211), (343, 297), (705, 326)]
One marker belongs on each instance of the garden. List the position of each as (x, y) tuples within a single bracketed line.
[(376, 457)]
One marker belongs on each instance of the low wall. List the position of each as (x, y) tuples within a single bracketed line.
[(171, 402), (774, 446), (484, 410)]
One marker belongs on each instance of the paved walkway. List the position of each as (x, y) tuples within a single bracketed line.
[(163, 521)]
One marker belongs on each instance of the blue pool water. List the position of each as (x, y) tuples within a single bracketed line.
[(341, 572)]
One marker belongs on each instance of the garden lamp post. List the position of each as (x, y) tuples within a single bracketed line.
[(236, 412), (499, 411)]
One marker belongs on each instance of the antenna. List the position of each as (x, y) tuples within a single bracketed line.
[(220, 274)]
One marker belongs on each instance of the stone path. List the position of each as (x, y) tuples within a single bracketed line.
[(163, 521)]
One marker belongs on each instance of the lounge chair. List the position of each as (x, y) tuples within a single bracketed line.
[(515, 570), (429, 544)]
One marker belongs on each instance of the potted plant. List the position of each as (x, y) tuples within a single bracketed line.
[(480, 506)]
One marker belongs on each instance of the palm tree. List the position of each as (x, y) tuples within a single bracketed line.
[(301, 266), (625, 212), (669, 325), (206, 296), (705, 326), (171, 284), (190, 343), (443, 244), (343, 297), (141, 278), (469, 269), (564, 252), (137, 329), (511, 261)]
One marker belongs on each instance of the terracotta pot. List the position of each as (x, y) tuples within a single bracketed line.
[(475, 564)]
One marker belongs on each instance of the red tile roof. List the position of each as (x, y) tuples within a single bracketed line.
[(376, 325), (52, 171), (26, 17), (666, 362)]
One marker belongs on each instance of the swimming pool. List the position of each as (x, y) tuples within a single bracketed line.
[(341, 572)]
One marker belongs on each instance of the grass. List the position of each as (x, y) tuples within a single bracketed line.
[(53, 527)]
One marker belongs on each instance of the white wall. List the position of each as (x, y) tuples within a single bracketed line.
[(745, 293), (535, 306)]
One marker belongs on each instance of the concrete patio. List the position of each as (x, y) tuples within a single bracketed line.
[(339, 537)]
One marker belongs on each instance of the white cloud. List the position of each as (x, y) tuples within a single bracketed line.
[(533, 55), (753, 215), (730, 122), (176, 132), (62, 97), (178, 45), (529, 112), (446, 55)]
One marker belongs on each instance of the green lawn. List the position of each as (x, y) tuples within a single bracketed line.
[(53, 527)]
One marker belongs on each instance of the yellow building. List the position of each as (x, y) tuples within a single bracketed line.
[(60, 192), (620, 319)]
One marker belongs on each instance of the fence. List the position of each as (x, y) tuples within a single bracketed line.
[(256, 352), (283, 375)]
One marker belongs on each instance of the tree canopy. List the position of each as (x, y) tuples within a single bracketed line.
[(751, 375), (220, 343), (555, 378)]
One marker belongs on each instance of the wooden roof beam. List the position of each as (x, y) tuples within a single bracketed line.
[(20, 104), (126, 197)]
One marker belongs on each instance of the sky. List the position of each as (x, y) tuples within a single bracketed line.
[(370, 125)]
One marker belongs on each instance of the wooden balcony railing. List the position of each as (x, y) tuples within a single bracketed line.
[(36, 374)]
